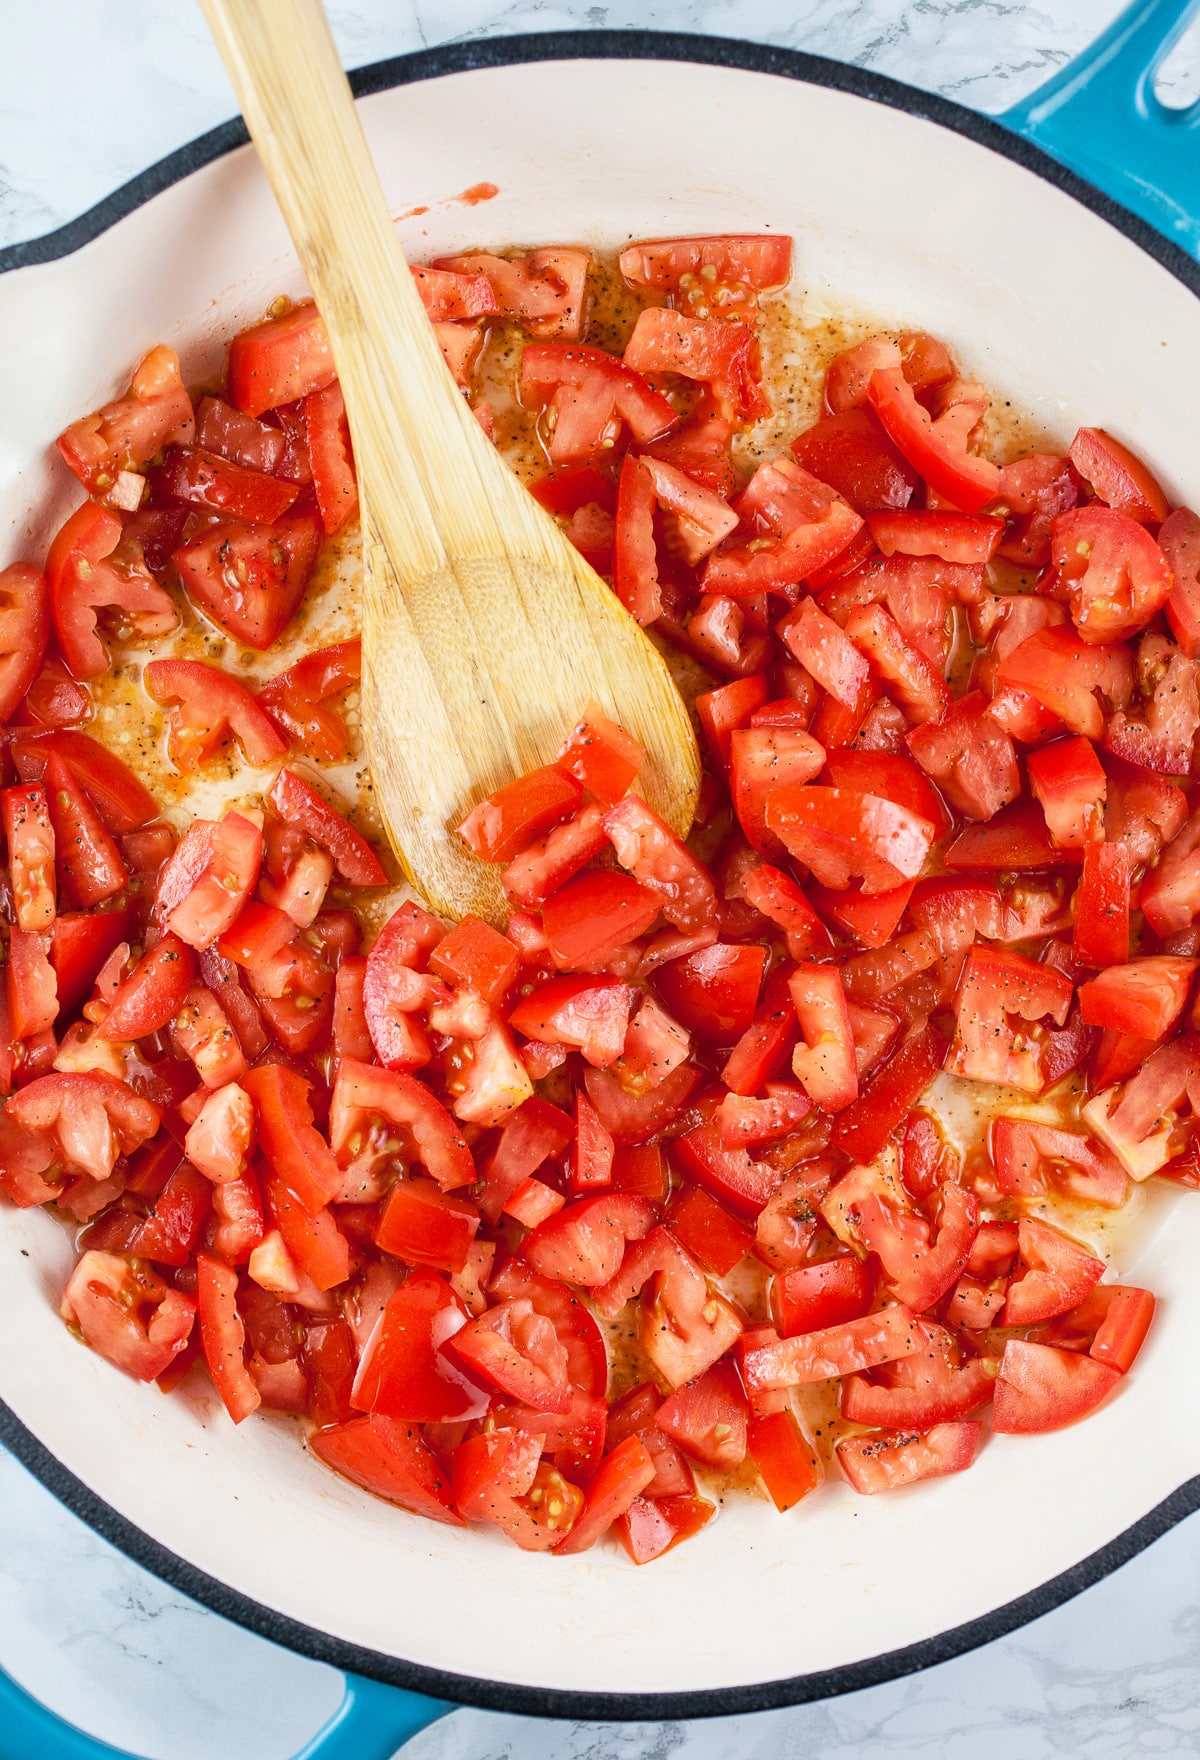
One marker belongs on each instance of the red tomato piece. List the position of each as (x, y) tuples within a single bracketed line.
[(865, 1125), (769, 1363), (1117, 476), (591, 396), (651, 1526), (500, 826), (998, 985), (810, 524), (713, 993), (707, 1418), (24, 632), (892, 1458), (650, 851), (825, 1293), (708, 1232), (153, 993), (970, 757), (80, 943), (202, 479), (223, 1337), (954, 537), (762, 760), (331, 456), (280, 360), (209, 708), (298, 803), (593, 915), (1113, 573), (850, 452), (778, 898), (1144, 997), (937, 454), (824, 1064), (1069, 782), (250, 579), (212, 873), (1179, 541), (124, 802), (544, 290), (1171, 890), (721, 353), (367, 1100), (584, 1243), (1054, 1274), (127, 1314), (589, 1014), (1042, 1388), (933, 1386), (601, 756), (683, 265), (404, 1372), (297, 698), (123, 435), (29, 835), (517, 1350), (622, 1475), (86, 576), (823, 649), (843, 835), (918, 686), (389, 1459), (1029, 1158)]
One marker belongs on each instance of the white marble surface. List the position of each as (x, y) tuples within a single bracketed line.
[(91, 91)]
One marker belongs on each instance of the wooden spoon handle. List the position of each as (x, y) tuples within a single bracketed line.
[(285, 70)]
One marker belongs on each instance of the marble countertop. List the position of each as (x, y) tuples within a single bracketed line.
[(91, 91)]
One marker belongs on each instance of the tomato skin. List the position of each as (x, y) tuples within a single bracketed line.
[(25, 616), (781, 901), (210, 707), (1063, 672), (713, 1237), (299, 804), (1069, 782), (786, 1461), (850, 452), (822, 1294), (865, 1125), (1054, 1274), (622, 1475), (1026, 1155), (890, 1459), (758, 260), (962, 479), (843, 835), (651, 1526), (250, 579), (1114, 574), (770, 1363), (280, 360), (153, 993), (997, 983), (810, 524), (296, 699), (501, 826), (204, 480), (593, 915), (83, 580), (389, 1459), (128, 1315), (222, 1337), (713, 993), (1179, 541), (1144, 996), (1042, 1388), (125, 804), (1117, 476), (403, 1372)]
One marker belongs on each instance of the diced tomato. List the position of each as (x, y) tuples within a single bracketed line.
[(679, 265), (707, 1418), (24, 632), (954, 537), (331, 456), (938, 454), (367, 1101), (590, 1014), (280, 361), (998, 985), (124, 802), (209, 708), (892, 1458), (202, 479), (584, 1243), (594, 914), (250, 579), (650, 851), (1117, 476), (1144, 997), (297, 698), (1042, 1388), (762, 760), (1028, 1157), (1179, 541), (850, 452), (825, 1293), (772, 1363), (127, 1314), (388, 1458), (799, 525), (591, 396), (721, 353), (844, 835), (708, 1232), (88, 575), (713, 993), (1054, 1274), (1171, 891), (865, 1125), (1113, 573)]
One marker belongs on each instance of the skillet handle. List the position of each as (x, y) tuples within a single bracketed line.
[(1100, 117), (371, 1723)]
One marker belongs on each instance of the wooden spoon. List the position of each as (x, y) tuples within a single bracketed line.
[(485, 633)]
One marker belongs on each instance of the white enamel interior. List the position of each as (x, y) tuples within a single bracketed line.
[(1047, 304)]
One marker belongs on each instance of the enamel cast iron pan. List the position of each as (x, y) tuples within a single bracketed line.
[(1078, 305)]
